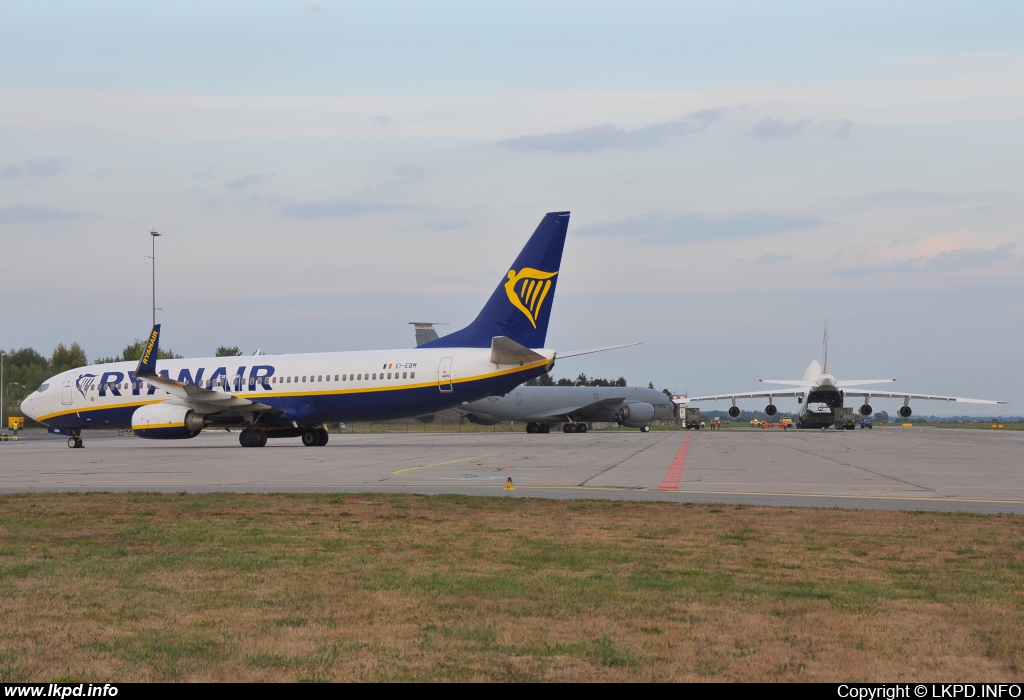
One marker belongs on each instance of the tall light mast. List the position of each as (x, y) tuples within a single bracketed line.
[(153, 234)]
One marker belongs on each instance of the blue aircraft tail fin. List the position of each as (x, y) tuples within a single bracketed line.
[(147, 363), (521, 305)]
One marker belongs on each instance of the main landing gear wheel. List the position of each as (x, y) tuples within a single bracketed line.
[(645, 429), (311, 438), (531, 428), (322, 432), (262, 435), (568, 428), (249, 438)]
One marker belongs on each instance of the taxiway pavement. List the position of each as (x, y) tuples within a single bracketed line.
[(901, 468)]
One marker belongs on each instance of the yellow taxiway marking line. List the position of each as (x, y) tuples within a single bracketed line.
[(439, 464)]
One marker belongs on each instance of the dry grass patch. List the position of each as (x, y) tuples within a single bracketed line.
[(337, 587)]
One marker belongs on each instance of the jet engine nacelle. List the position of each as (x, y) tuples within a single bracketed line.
[(769, 410), (905, 411), (865, 410), (636, 415), (734, 411), (164, 421), (481, 419)]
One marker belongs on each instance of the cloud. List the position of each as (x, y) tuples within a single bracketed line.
[(773, 257), (23, 214), (770, 128), (843, 128), (950, 260), (598, 138), (247, 180), (337, 209), (446, 224), (946, 261), (34, 167), (692, 227), (901, 197), (897, 267), (413, 173)]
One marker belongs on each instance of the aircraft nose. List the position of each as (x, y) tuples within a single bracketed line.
[(27, 408)]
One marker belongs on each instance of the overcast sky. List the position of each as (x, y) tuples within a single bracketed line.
[(324, 173)]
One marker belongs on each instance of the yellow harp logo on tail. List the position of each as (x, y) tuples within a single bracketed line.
[(527, 290)]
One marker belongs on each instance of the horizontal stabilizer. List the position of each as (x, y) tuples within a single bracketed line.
[(505, 351), (575, 353)]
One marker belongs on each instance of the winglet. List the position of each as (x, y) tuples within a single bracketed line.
[(147, 363)]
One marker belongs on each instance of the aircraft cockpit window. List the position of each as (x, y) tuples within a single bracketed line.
[(42, 388)]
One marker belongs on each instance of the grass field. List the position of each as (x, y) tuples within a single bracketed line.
[(127, 587)]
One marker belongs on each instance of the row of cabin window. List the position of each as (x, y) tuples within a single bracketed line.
[(343, 377), (209, 383)]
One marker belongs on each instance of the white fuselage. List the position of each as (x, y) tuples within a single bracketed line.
[(301, 389)]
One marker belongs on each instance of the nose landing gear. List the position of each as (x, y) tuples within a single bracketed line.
[(75, 441)]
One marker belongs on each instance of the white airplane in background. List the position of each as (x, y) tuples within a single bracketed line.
[(295, 395), (821, 396)]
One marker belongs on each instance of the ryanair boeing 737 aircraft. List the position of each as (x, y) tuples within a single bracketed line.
[(267, 396)]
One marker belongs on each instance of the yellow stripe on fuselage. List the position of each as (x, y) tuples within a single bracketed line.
[(268, 394)]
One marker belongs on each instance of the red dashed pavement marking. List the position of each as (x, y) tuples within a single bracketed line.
[(675, 472)]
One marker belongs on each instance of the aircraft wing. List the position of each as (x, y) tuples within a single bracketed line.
[(843, 383), (595, 408), (908, 397), (791, 392), (202, 400)]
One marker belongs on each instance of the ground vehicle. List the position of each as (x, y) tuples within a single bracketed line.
[(845, 419), (692, 418), (867, 422)]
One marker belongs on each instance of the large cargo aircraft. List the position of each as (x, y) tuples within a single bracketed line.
[(821, 395), (295, 395)]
